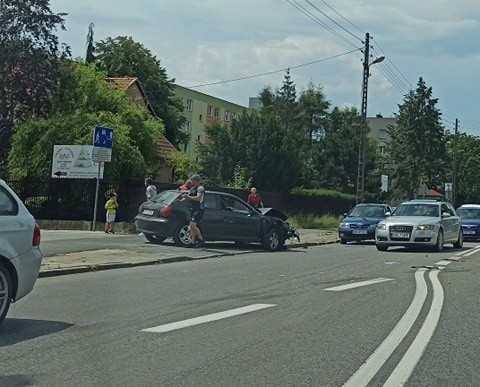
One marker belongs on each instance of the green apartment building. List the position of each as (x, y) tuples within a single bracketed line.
[(201, 110)]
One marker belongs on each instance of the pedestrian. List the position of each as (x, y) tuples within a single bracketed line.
[(151, 189), (196, 197), (254, 199), (186, 186), (111, 207)]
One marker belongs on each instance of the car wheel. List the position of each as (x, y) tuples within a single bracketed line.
[(271, 240), (5, 291), (157, 239), (382, 247), (183, 236), (439, 245), (459, 243), (343, 241)]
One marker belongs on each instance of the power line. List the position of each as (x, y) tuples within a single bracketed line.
[(392, 82), (343, 17), (393, 64), (332, 20), (311, 16), (274, 71), (394, 77)]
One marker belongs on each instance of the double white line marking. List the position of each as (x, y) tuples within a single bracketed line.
[(409, 361)]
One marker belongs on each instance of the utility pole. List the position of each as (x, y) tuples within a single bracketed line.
[(454, 148), (363, 124)]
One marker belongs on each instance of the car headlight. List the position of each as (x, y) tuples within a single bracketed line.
[(423, 227), (343, 225), (381, 226)]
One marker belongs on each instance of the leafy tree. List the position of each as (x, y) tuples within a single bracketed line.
[(83, 99), (258, 142), (417, 147), (29, 53), (90, 56), (183, 165), (313, 111), (123, 57), (240, 179), (467, 180)]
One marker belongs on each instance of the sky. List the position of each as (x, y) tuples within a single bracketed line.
[(202, 42)]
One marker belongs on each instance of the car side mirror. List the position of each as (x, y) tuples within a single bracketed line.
[(387, 214), (344, 215), (446, 215)]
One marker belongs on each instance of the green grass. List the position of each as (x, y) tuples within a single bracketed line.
[(323, 192), (314, 221)]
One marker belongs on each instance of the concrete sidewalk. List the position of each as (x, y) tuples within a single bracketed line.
[(105, 259)]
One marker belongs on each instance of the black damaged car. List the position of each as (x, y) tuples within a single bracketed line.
[(226, 218)]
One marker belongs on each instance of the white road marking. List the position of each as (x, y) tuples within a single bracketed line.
[(443, 262), (474, 251), (358, 284), (409, 361), (376, 360), (207, 318), (471, 251)]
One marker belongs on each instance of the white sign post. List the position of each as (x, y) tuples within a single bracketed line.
[(384, 183), (102, 152), (75, 162)]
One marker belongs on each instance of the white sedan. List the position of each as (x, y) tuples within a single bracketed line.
[(20, 255), (420, 223)]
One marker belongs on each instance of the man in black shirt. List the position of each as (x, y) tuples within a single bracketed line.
[(196, 197)]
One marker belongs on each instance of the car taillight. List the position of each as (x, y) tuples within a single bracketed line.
[(166, 211), (36, 236)]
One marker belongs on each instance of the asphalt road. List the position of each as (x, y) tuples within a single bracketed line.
[(301, 329)]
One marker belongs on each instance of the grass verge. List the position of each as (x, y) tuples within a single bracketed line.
[(314, 221)]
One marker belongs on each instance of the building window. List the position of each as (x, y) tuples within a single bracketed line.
[(217, 112), (210, 111), (200, 117), (382, 134), (189, 105), (234, 116), (227, 115), (187, 127), (198, 137), (382, 149)]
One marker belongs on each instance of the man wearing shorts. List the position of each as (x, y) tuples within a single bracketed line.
[(196, 197)]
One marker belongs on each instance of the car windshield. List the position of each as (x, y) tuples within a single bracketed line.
[(166, 197), (368, 212), (417, 210), (469, 213)]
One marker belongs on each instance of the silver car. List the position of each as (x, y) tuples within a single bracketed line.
[(20, 255), (420, 223)]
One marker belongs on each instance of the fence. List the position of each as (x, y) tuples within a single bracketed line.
[(72, 199)]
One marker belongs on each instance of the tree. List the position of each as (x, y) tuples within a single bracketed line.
[(417, 147), (29, 53), (285, 103), (260, 144), (90, 56), (183, 165), (313, 110), (82, 100), (123, 57)]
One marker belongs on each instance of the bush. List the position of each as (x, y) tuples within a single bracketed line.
[(323, 192), (314, 221)]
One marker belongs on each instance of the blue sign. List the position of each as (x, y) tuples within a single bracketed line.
[(103, 137)]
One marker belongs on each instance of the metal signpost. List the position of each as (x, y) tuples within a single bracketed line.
[(102, 152)]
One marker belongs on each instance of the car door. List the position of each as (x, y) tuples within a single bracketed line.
[(15, 236), (448, 223), (211, 224), (456, 223), (239, 222)]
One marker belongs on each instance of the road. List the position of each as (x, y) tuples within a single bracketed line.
[(257, 319)]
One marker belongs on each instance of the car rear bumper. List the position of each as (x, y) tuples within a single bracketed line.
[(156, 226), (349, 235), (27, 266)]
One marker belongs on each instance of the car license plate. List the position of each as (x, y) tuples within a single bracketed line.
[(148, 212), (403, 235), (359, 232), (470, 232)]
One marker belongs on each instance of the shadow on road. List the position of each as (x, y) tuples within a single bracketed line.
[(14, 330), (16, 380)]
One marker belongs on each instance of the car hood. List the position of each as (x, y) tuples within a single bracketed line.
[(365, 221), (415, 220), (273, 213)]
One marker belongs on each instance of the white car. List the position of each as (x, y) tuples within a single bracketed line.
[(420, 223), (20, 255)]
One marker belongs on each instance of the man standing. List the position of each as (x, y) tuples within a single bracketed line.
[(151, 189), (196, 197)]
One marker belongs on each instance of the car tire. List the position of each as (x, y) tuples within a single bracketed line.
[(459, 243), (439, 244), (157, 239), (271, 241), (182, 236), (381, 247), (5, 291), (343, 241)]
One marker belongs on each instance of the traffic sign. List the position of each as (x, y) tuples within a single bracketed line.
[(74, 162), (103, 137)]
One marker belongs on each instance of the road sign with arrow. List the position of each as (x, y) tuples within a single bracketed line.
[(74, 162)]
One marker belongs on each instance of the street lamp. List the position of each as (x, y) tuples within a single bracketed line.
[(363, 114)]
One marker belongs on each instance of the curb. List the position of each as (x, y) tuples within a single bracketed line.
[(181, 258)]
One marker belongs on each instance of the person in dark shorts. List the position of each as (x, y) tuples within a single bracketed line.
[(196, 197)]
